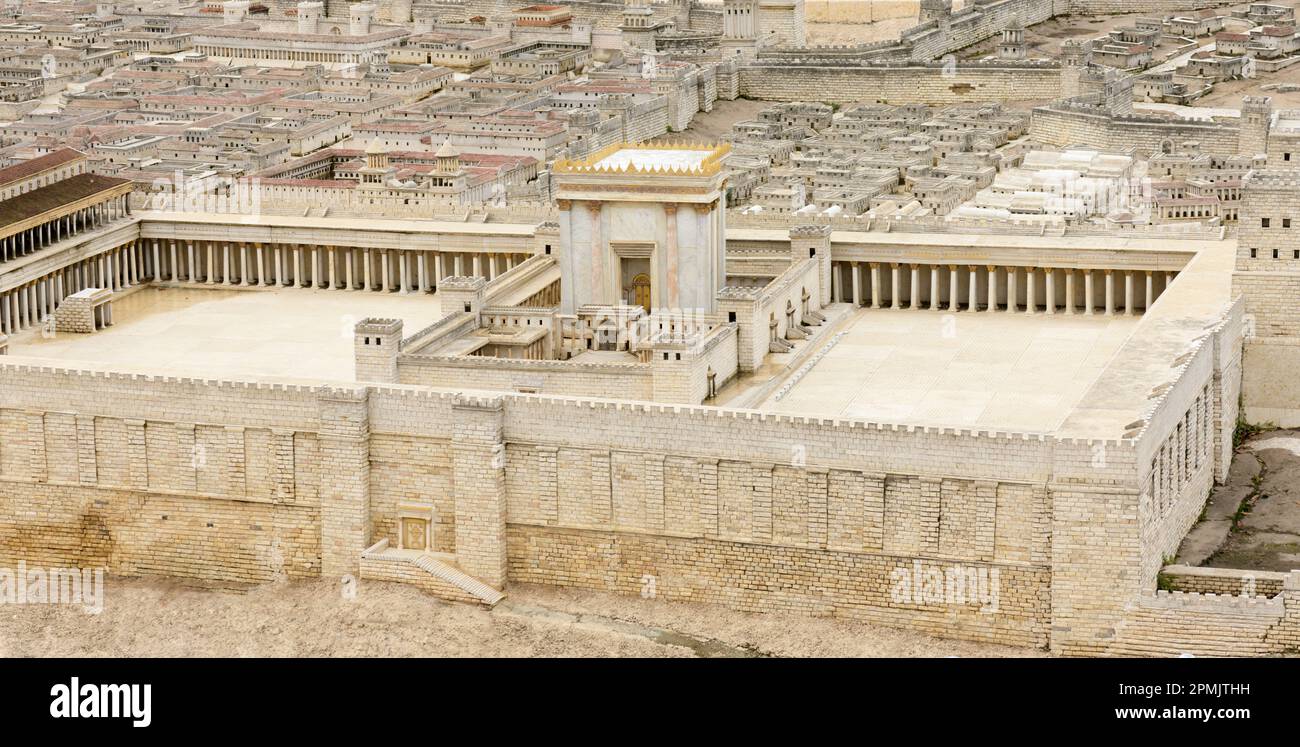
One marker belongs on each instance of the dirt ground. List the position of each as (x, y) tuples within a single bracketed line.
[(1252, 521), (709, 127), (150, 617)]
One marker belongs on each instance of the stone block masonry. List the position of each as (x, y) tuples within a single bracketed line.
[(798, 580), (939, 84), (235, 482), (345, 480), (85, 311), (479, 455)]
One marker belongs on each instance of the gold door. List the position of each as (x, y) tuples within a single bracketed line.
[(641, 291)]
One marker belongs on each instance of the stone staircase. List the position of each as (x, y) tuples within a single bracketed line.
[(432, 572), (1176, 623), (456, 577)]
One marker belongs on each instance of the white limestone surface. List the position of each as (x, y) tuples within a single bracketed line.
[(653, 158), (985, 370), (297, 334)]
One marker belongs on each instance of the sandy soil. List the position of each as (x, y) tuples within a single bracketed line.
[(150, 617), (1229, 93), (711, 126)]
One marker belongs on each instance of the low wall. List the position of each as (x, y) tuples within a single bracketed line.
[(1062, 127), (565, 378), (1223, 581)]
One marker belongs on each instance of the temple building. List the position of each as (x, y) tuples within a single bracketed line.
[(615, 203)]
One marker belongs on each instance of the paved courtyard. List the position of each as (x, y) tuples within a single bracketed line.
[(282, 334), (999, 370), (1253, 520)]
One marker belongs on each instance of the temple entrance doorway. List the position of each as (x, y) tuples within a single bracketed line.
[(640, 295), (635, 279)]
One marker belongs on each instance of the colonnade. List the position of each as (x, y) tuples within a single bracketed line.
[(954, 287), (248, 264), (29, 304), (53, 231), (263, 53), (316, 266)]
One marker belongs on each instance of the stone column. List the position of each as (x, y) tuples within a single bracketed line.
[(915, 301), (1031, 290), (857, 285), (894, 302), (1013, 304), (1050, 279), (1110, 293), (954, 288), (672, 291), (1087, 292), (1069, 291), (1128, 294), (345, 479), (479, 460), (934, 286), (972, 289), (875, 285), (993, 289), (1151, 298)]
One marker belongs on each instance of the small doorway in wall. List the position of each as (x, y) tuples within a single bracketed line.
[(415, 534), (635, 281), (640, 291), (415, 528)]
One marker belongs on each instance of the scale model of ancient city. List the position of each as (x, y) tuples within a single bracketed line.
[(979, 324)]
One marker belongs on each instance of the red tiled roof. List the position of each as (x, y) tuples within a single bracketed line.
[(20, 171), (37, 201)]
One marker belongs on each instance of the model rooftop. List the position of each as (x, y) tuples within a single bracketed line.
[(686, 159)]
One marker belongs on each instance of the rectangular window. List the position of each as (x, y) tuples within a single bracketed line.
[(1274, 254), (1286, 222), (1253, 253), (1263, 222)]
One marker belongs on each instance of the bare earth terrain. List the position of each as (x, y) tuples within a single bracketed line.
[(146, 617)]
